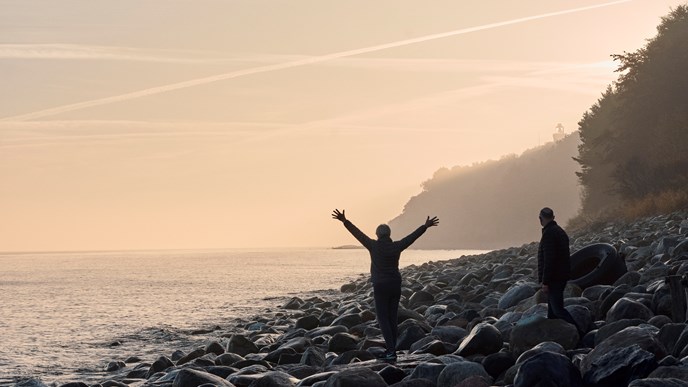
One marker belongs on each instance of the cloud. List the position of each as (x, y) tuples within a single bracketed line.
[(290, 64), (92, 52)]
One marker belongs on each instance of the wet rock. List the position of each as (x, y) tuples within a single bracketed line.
[(449, 334), (294, 303), (315, 378), (348, 320), (161, 364), (548, 369), (608, 330), (630, 278), (421, 298), (352, 356), (274, 379), (484, 339), (114, 366), (530, 332), (132, 359), (620, 366), (626, 308), (654, 382), (428, 371), (392, 374), (307, 322), (196, 353), (356, 377), (665, 372), (410, 335), (473, 381), (74, 384), (215, 348), (669, 335), (516, 294), (454, 373), (497, 363), (227, 359), (342, 342), (313, 356), (547, 346), (241, 345), (414, 383), (189, 377), (643, 337), (328, 330)]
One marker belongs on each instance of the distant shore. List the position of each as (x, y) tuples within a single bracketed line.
[(477, 320)]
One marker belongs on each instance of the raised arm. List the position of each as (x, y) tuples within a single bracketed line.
[(409, 239), (358, 234)]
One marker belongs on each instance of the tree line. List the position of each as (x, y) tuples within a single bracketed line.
[(634, 140)]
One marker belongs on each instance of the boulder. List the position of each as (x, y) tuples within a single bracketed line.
[(410, 335), (215, 348), (241, 345), (644, 337), (449, 334), (392, 374), (428, 371), (548, 369), (609, 329), (356, 377), (348, 320), (307, 322), (189, 377), (532, 331), (516, 294), (620, 366), (342, 342), (655, 382), (274, 379), (196, 353), (414, 383), (675, 372), (484, 339), (626, 308), (162, 363), (497, 363), (421, 297), (455, 373)]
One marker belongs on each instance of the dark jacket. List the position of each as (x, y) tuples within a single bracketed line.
[(554, 262), (384, 253)]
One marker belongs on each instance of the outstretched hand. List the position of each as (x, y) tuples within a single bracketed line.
[(338, 215), (432, 222)]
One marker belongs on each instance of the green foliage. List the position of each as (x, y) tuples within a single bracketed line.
[(634, 140)]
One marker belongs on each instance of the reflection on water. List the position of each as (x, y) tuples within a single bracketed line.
[(60, 313)]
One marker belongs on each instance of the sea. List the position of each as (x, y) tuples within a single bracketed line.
[(65, 316)]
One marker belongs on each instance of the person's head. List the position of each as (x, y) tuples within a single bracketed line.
[(546, 216), (383, 231)]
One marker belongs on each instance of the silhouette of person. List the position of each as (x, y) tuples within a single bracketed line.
[(554, 265), (384, 273)]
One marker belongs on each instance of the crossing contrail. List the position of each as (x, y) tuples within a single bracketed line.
[(287, 65)]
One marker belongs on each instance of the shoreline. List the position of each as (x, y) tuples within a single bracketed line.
[(457, 320)]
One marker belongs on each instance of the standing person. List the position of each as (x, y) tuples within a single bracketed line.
[(384, 273), (554, 265)]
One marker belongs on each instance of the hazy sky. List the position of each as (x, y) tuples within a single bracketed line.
[(210, 124)]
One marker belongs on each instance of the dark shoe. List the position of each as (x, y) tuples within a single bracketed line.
[(389, 357)]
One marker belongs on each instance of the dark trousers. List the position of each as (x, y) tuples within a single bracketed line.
[(387, 296), (555, 303)]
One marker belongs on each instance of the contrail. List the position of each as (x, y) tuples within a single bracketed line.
[(287, 65)]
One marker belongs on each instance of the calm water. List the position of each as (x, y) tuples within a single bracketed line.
[(59, 312)]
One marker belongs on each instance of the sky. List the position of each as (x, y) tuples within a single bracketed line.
[(170, 124)]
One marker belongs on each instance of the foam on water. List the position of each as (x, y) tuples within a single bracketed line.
[(61, 312)]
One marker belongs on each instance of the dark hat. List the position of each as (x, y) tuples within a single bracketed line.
[(547, 213)]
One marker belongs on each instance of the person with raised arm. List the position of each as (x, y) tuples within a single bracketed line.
[(384, 273)]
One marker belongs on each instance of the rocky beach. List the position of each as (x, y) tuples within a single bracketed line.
[(474, 321)]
